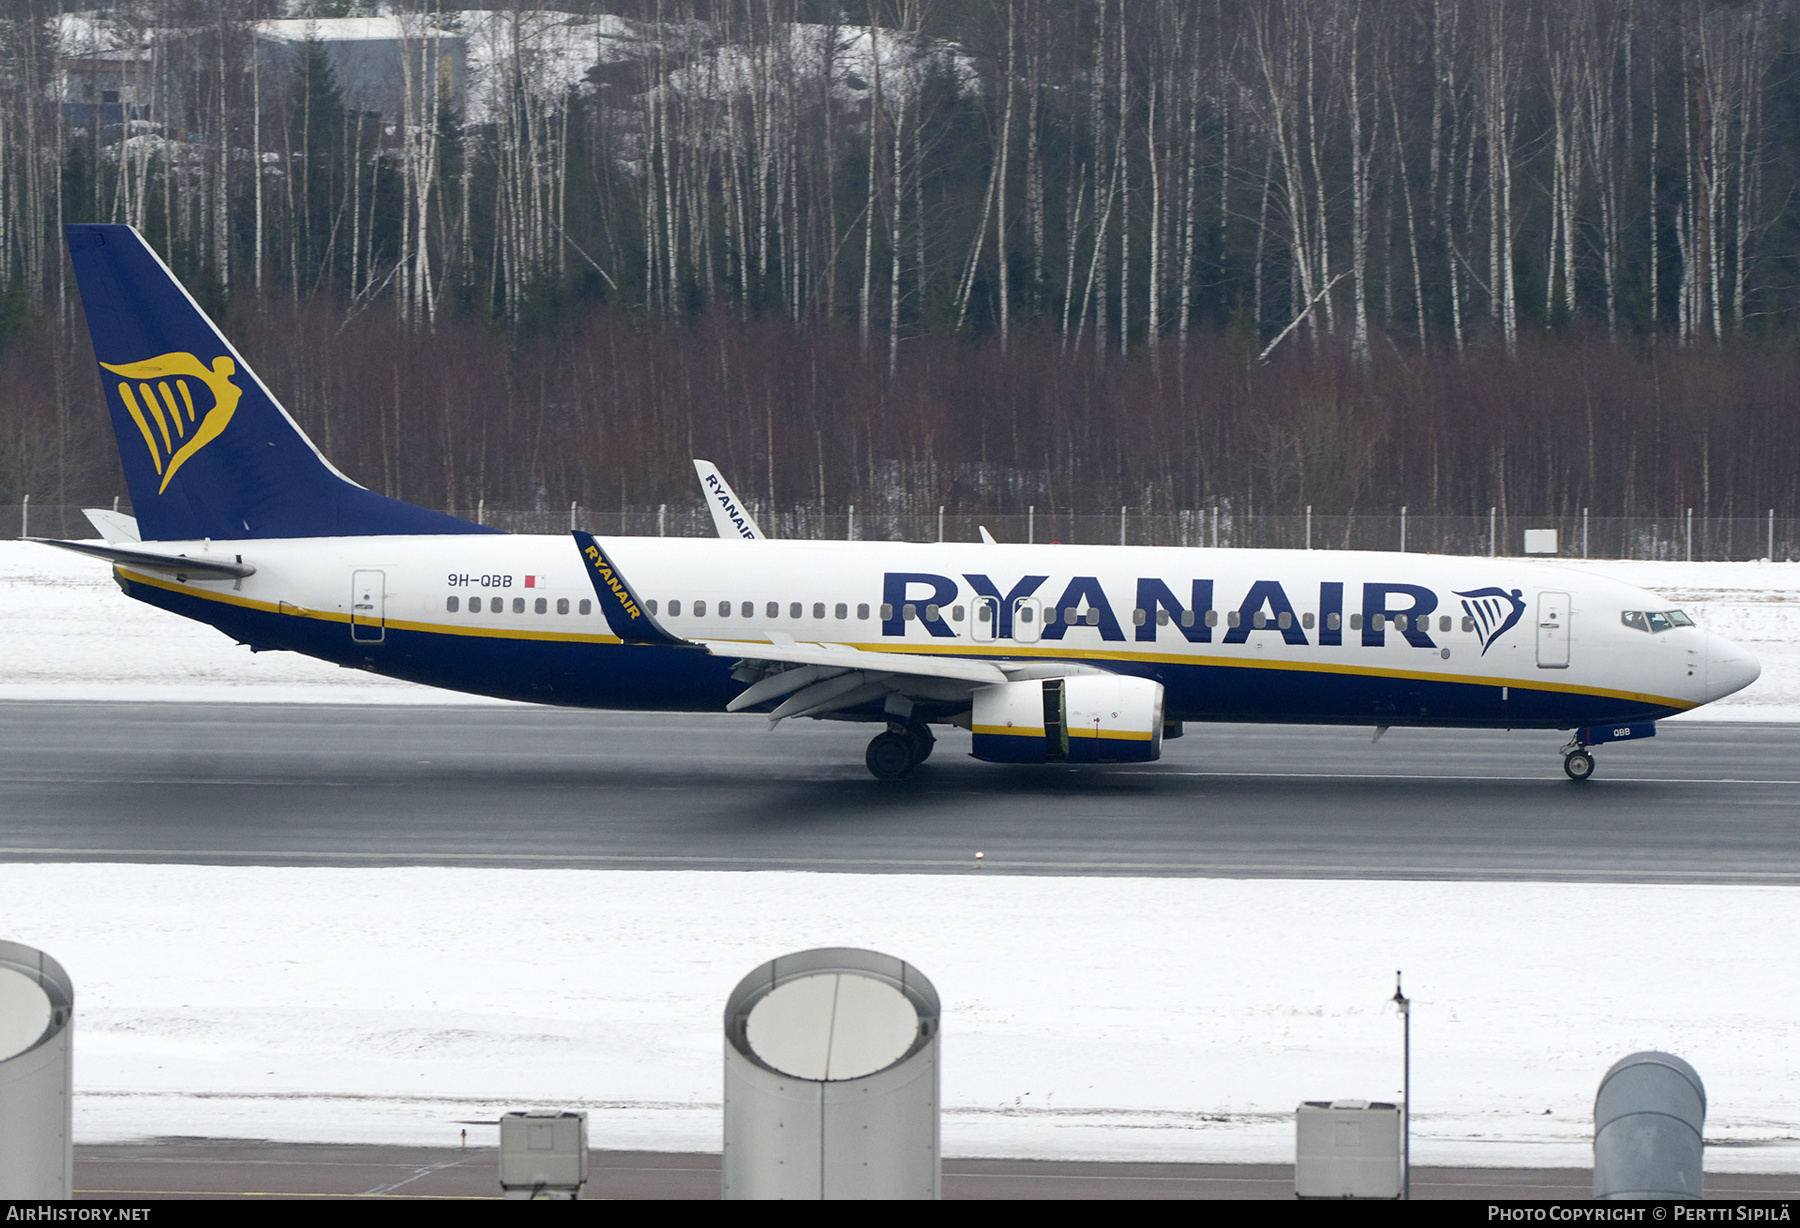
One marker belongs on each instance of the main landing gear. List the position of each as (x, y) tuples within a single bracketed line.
[(900, 749)]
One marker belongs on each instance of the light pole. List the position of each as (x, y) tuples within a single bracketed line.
[(1404, 1004)]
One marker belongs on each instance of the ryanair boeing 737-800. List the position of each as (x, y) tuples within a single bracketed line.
[(1076, 654)]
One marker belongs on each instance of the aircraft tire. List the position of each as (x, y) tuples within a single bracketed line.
[(890, 756), (1579, 765), (923, 741)]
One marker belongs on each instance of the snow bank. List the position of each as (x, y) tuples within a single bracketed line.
[(70, 634), (1117, 1018)]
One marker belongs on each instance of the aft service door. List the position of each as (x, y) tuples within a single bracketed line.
[(1553, 631), (368, 601)]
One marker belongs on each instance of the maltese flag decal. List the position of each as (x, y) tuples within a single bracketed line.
[(536, 581)]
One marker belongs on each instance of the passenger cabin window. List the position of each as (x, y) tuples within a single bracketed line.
[(1468, 624), (518, 605), (796, 610), (586, 606), (674, 609), (1212, 619), (542, 605), (699, 609), (724, 608), (818, 609), (956, 613), (451, 604), (1443, 622), (843, 611), (1306, 620), (931, 613), (1334, 622), (1356, 622), (1233, 619), (562, 606), (748, 609), (862, 611), (887, 610), (772, 610)]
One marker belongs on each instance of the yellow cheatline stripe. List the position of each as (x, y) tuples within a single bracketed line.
[(1129, 735), (1009, 731), (1316, 667), (1057, 654), (330, 616)]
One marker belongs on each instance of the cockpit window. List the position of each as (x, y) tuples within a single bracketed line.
[(1655, 621)]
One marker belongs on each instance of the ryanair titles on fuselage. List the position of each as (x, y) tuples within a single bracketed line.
[(1406, 608)]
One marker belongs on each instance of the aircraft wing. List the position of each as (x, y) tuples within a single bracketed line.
[(822, 678), (842, 656), (149, 560)]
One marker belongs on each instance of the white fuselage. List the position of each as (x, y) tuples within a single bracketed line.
[(1233, 634)]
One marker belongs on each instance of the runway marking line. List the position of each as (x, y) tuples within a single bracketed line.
[(1157, 869)]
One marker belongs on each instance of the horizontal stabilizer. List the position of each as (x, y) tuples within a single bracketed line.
[(113, 526), (149, 560)]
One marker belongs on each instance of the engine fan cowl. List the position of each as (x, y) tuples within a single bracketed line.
[(1087, 718)]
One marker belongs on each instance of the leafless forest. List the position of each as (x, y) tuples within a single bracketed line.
[(1538, 255)]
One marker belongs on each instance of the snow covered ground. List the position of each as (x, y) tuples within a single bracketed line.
[(1084, 1017), (1177, 1019), (68, 633)]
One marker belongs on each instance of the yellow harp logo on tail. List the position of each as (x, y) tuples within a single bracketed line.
[(163, 407)]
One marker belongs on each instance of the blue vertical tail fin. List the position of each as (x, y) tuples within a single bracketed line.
[(208, 451)]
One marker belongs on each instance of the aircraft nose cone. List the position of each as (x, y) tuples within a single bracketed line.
[(1729, 668)]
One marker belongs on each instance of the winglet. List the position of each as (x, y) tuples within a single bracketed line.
[(987, 537), (730, 517), (625, 614)]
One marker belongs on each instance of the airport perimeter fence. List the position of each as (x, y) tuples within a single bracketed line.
[(1681, 536)]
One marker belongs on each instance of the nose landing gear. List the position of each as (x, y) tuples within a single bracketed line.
[(1578, 764), (899, 749)]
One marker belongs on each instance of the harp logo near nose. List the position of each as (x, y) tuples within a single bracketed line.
[(160, 395)]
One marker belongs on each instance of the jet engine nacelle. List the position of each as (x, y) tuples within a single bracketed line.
[(1088, 718)]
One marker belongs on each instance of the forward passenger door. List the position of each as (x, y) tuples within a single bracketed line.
[(1553, 631)]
